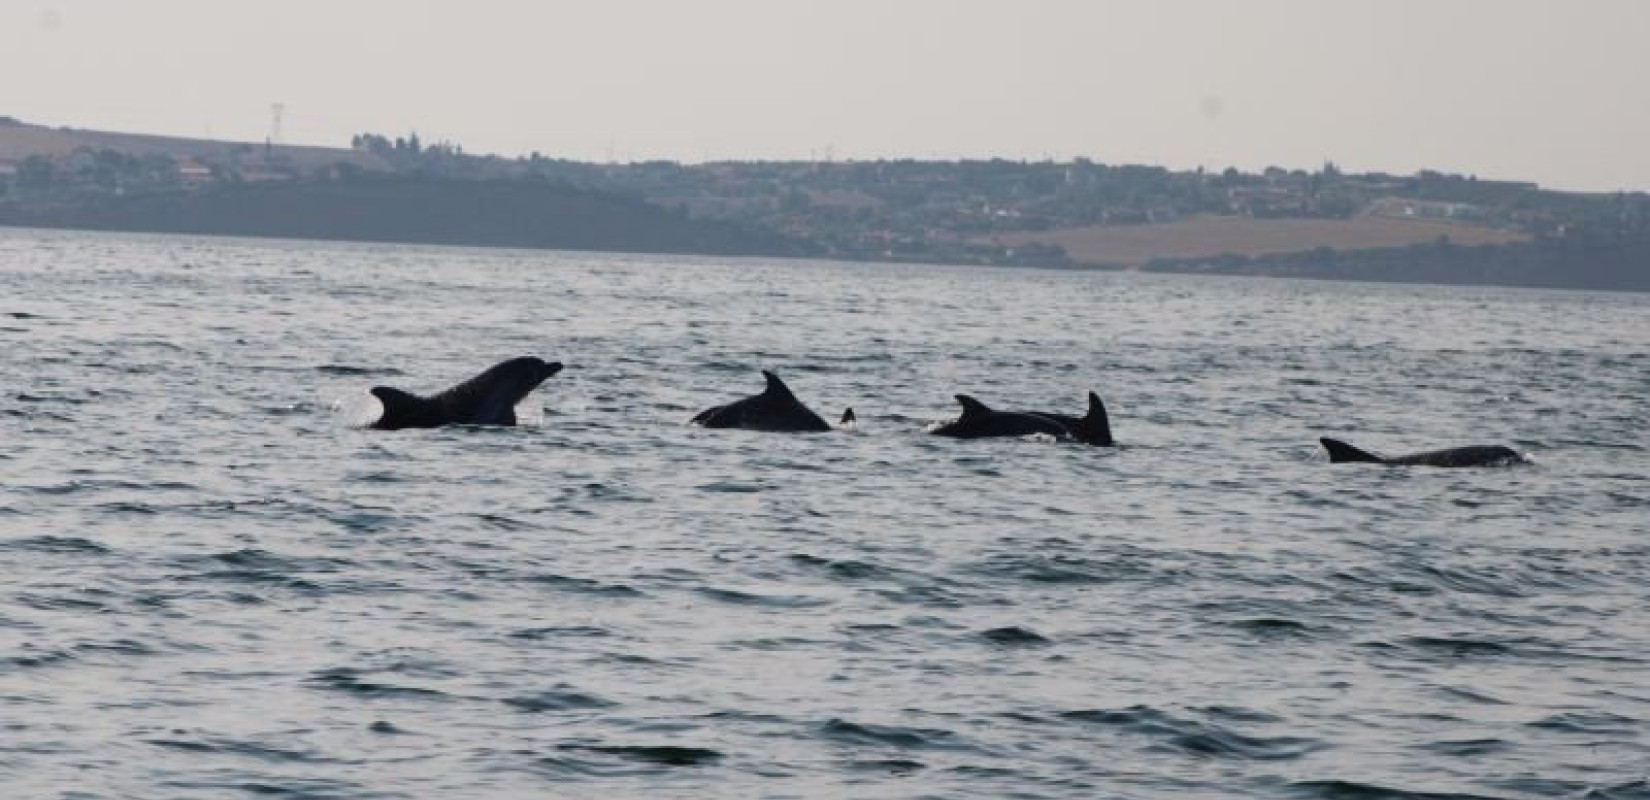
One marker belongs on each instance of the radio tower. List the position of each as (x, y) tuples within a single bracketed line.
[(275, 112)]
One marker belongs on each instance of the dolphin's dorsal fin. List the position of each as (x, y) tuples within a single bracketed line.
[(848, 417), (971, 407), (1340, 452), (1096, 425), (776, 387), (401, 409)]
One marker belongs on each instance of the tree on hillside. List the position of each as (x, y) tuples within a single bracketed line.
[(36, 174)]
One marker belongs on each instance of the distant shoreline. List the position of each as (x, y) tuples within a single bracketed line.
[(1426, 228)]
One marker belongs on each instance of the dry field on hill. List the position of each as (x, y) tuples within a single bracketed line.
[(1203, 237), (20, 141)]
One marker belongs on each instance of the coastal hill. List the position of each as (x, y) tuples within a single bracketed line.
[(93, 180), (1429, 227), (19, 141), (499, 213)]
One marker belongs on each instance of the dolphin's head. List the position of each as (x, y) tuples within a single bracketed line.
[(525, 374), (506, 383)]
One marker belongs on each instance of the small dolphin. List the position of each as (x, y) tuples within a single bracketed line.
[(487, 399), (775, 409), (979, 420), (1475, 456)]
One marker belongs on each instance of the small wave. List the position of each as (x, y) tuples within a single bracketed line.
[(737, 597), (846, 570), (222, 746), (1015, 636), (1471, 695), (36, 660), (503, 523), (1272, 626), (1351, 790), (889, 735), (348, 370), (54, 544), (1195, 737), (1461, 579), (1450, 646), (558, 698), (665, 755), (1601, 724), (1035, 568), (119, 647), (1467, 748), (583, 585), (286, 787), (24, 397), (573, 631), (891, 766), (734, 487), (347, 680), (932, 596), (59, 603)]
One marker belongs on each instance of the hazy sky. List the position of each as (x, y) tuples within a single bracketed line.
[(1551, 90)]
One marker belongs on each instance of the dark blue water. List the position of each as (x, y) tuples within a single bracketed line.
[(218, 585)]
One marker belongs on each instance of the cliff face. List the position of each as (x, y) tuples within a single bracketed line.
[(414, 210)]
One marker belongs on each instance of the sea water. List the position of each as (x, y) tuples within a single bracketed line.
[(218, 583)]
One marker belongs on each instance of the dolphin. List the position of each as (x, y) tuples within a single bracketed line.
[(487, 399), (978, 421), (775, 409), (1475, 456)]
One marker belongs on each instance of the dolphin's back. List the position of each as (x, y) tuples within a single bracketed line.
[(487, 399), (979, 421), (480, 401), (1340, 452), (776, 409), (1475, 456)]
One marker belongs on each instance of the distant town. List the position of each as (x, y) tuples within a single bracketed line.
[(1322, 222)]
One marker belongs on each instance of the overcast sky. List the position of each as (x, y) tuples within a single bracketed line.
[(1556, 91)]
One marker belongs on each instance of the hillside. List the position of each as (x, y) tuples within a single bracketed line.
[(19, 141), (1206, 237), (416, 210)]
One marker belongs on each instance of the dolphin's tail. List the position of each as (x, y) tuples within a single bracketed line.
[(1095, 427), (1341, 452), (848, 417)]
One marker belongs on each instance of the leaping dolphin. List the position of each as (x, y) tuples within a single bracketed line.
[(978, 421), (487, 399), (775, 409), (1475, 456)]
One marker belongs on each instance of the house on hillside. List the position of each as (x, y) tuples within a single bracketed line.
[(193, 174), (1407, 208)]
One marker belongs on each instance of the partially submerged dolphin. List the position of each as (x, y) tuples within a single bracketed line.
[(1475, 456), (978, 421), (775, 409), (487, 399)]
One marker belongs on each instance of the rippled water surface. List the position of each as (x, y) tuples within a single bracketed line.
[(219, 585)]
